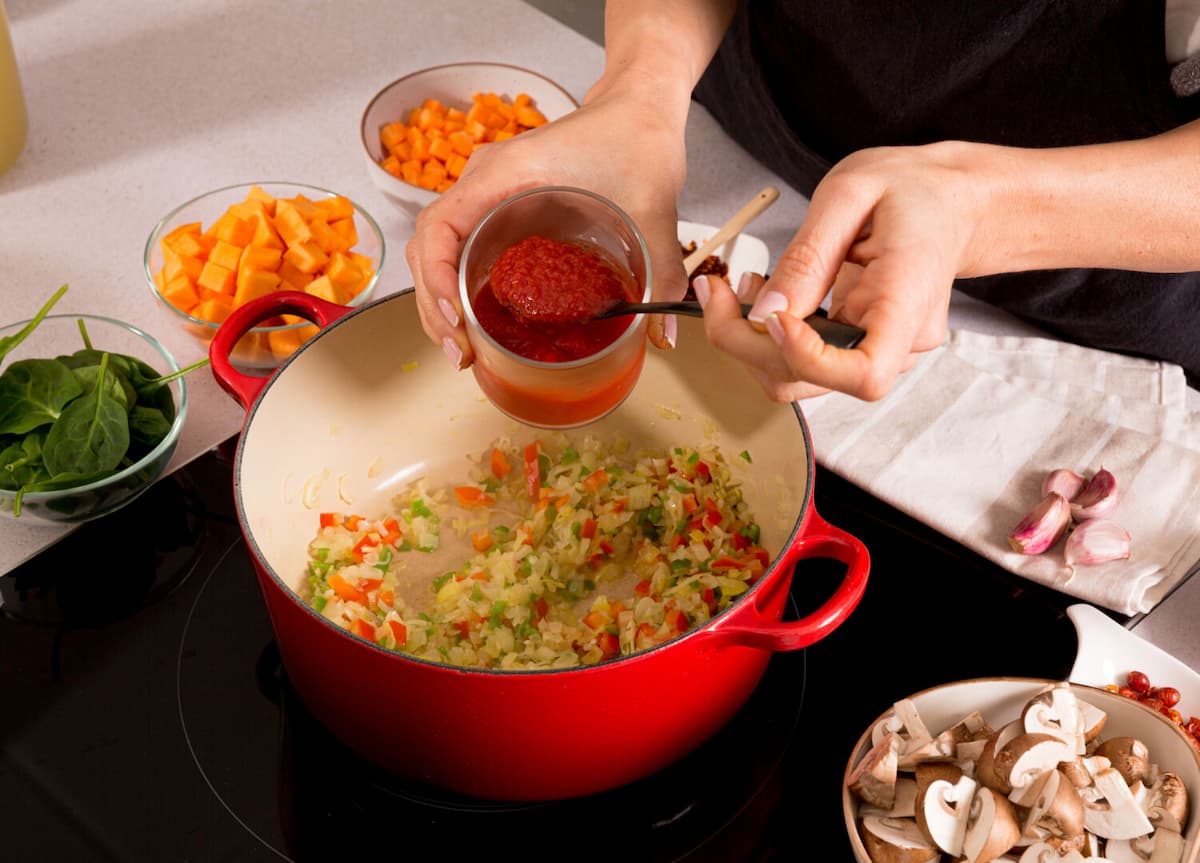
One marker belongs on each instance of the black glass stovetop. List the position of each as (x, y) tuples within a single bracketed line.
[(145, 716)]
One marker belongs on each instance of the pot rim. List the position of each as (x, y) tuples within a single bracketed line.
[(769, 576)]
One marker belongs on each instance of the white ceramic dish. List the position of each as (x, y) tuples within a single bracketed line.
[(453, 84), (743, 254), (1107, 652), (1000, 700)]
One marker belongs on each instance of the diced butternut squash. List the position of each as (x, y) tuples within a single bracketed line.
[(259, 245), (431, 146)]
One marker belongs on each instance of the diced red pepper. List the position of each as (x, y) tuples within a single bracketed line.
[(740, 542), (642, 588), (361, 628), (676, 620), (588, 529), (369, 540), (533, 473), (608, 643), (366, 585), (645, 637), (331, 519), (725, 562), (689, 503), (710, 599), (463, 627), (540, 607), (386, 597), (703, 471), (399, 631)]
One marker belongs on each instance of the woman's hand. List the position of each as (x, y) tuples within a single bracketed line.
[(613, 146), (887, 231)]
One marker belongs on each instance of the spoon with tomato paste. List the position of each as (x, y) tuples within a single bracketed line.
[(540, 280)]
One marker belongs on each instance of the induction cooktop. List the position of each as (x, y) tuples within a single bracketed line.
[(145, 714)]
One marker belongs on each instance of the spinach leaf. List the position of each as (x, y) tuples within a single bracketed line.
[(34, 393), (148, 426), (91, 435), (116, 383), (9, 342)]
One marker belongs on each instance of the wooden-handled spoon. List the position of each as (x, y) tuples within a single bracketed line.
[(739, 220)]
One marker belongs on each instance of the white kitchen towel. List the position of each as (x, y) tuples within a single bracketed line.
[(965, 438)]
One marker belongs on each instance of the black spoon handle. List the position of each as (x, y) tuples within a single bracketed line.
[(832, 332)]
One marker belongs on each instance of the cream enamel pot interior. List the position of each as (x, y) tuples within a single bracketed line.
[(370, 404)]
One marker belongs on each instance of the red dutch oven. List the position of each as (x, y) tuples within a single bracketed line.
[(370, 404)]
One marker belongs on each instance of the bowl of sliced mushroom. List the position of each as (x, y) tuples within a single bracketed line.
[(1022, 770)]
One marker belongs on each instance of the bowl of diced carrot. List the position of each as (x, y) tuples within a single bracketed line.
[(227, 247), (419, 132)]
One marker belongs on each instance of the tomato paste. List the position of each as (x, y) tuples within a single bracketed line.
[(540, 297)]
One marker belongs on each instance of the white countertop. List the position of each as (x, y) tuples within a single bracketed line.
[(136, 107)]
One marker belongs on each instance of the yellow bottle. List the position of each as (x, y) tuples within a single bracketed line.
[(14, 123)]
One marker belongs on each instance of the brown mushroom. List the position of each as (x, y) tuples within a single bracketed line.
[(874, 776), (992, 827), (1026, 757), (1057, 810), (895, 840), (1128, 756), (1166, 802)]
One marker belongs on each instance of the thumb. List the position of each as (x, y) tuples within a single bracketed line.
[(668, 279)]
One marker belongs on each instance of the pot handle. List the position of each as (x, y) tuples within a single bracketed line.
[(753, 628), (245, 388)]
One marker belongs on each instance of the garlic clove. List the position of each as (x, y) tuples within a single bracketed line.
[(1065, 482), (1097, 498), (1043, 526), (1097, 540)]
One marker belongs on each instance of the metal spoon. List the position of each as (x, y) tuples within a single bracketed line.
[(831, 332)]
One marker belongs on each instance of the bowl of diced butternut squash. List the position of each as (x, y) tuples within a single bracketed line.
[(418, 132), (227, 247)]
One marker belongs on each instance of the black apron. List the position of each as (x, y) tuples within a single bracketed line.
[(804, 83)]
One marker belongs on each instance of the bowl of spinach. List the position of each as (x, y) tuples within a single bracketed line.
[(90, 414)]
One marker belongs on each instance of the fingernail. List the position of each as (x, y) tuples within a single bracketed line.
[(775, 329), (448, 311), (670, 329), (766, 305), (702, 289), (744, 283), (451, 349)]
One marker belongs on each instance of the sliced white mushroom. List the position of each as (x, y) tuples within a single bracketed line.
[(1057, 809), (896, 840), (905, 721), (873, 778), (1093, 720), (1166, 802), (970, 750), (1039, 852), (1110, 810), (1056, 712), (1025, 758), (902, 805), (1129, 756), (943, 813), (944, 747), (1162, 846), (992, 827), (985, 766)]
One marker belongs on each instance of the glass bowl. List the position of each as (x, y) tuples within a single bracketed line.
[(556, 395), (263, 348), (58, 336), (453, 85)]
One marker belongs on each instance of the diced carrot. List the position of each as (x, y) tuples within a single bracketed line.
[(482, 541), (345, 589), (595, 620), (331, 519), (471, 496), (596, 480), (500, 463)]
